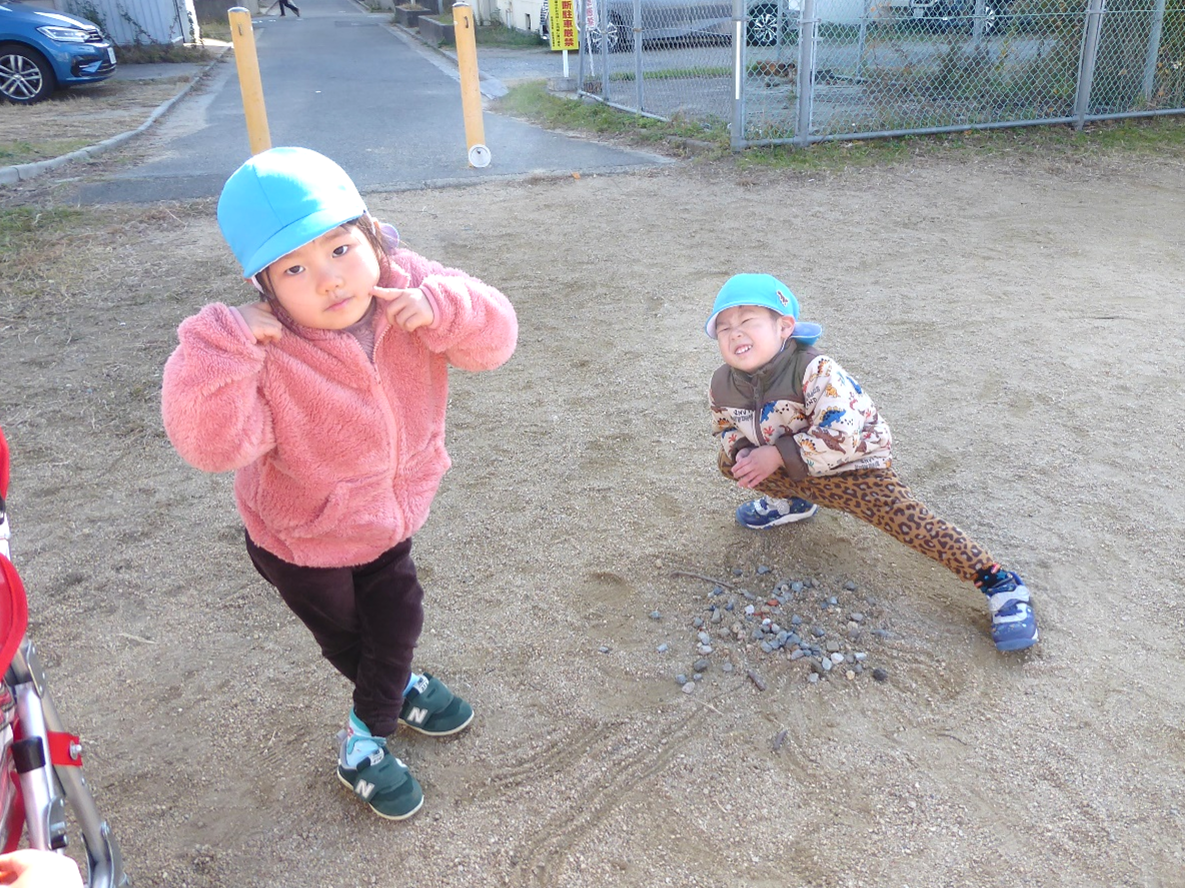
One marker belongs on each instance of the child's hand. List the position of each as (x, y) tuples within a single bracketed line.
[(38, 869), (261, 322), (406, 309), (755, 465)]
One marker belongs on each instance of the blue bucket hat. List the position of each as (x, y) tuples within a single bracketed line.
[(281, 199), (765, 290)]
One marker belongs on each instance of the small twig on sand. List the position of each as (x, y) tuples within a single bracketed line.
[(136, 638), (756, 679), (709, 705), (688, 573)]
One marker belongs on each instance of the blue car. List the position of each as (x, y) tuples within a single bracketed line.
[(41, 50)]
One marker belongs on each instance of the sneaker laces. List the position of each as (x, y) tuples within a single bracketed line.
[(996, 584)]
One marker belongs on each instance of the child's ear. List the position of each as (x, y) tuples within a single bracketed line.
[(786, 326)]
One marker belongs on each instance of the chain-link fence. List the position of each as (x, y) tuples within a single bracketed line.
[(804, 71)]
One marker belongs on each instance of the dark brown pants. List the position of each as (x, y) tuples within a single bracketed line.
[(367, 620), (882, 499)]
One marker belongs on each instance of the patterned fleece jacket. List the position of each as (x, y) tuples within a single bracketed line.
[(804, 404), (336, 457)]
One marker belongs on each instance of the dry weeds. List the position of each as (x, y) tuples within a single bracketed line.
[(74, 118)]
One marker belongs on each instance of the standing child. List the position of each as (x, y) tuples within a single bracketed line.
[(327, 399), (798, 429)]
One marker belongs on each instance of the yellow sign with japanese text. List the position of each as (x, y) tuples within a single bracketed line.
[(561, 16)]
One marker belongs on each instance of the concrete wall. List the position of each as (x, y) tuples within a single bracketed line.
[(521, 14)]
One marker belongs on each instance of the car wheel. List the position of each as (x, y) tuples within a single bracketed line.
[(25, 75), (763, 26), (614, 34)]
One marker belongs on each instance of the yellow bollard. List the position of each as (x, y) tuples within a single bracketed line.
[(463, 27), (250, 83)]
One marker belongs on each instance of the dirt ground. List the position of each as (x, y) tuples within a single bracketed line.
[(1019, 324)]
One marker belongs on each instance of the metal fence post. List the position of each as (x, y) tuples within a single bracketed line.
[(977, 22), (808, 32), (737, 136), (1090, 54), (1153, 50), (638, 55)]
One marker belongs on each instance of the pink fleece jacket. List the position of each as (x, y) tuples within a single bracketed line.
[(336, 458)]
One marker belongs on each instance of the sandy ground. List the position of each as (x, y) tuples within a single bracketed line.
[(1019, 324)]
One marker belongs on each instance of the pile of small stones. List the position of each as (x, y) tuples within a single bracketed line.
[(830, 631)]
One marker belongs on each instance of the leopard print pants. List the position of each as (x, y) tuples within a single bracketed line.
[(882, 499)]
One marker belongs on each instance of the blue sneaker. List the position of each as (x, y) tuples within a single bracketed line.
[(1014, 625), (769, 512)]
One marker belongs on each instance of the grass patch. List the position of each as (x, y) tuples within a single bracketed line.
[(20, 224), (156, 53), (500, 35), (531, 101), (1150, 137), (1153, 137), (14, 153), (215, 29), (675, 73), (74, 118)]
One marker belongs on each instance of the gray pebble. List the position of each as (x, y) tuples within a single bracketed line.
[(832, 646), (762, 569), (717, 590), (697, 677), (717, 615), (856, 617), (833, 601), (727, 667), (698, 622), (837, 658), (704, 649), (797, 654), (827, 664), (749, 609), (880, 674), (757, 635), (700, 665), (796, 586), (738, 572), (704, 638), (689, 688), (812, 678), (655, 615), (766, 647), (681, 679), (818, 632), (604, 649), (662, 648), (882, 633), (796, 620), (850, 586)]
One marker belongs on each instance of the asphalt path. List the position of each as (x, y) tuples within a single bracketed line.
[(347, 83)]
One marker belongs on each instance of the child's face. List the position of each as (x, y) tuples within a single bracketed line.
[(750, 336), (326, 283)]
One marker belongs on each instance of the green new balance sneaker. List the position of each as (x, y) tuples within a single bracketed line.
[(385, 784), (432, 709)]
